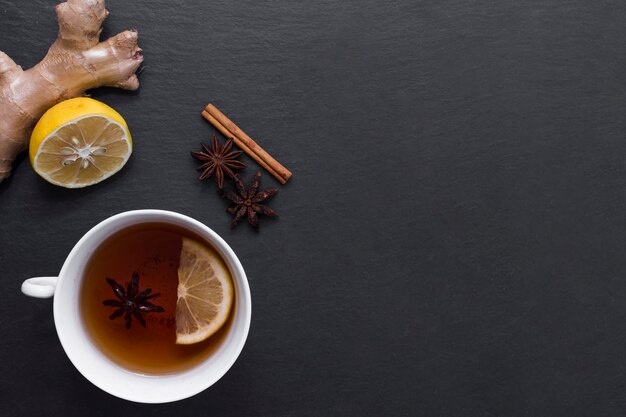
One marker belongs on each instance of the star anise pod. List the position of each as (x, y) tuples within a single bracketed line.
[(132, 303), (247, 201), (218, 160)]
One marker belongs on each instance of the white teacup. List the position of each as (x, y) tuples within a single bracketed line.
[(92, 363)]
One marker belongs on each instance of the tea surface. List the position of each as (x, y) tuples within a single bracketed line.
[(152, 251)]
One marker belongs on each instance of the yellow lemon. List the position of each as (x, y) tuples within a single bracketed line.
[(79, 142), (205, 293)]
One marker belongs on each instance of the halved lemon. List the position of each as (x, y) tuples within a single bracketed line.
[(205, 293), (79, 142)]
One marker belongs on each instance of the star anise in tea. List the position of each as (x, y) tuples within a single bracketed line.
[(247, 201), (132, 303), (218, 160)]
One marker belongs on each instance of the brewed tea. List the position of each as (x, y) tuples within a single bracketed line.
[(147, 256)]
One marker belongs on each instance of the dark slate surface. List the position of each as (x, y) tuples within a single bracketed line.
[(451, 244)]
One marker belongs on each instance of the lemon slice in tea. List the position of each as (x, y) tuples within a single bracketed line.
[(205, 293), (79, 142)]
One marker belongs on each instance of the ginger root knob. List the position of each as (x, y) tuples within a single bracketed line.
[(77, 61)]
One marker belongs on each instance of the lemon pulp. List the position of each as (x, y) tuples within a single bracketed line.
[(79, 142), (205, 293)]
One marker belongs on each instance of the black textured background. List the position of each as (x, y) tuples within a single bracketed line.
[(451, 244)]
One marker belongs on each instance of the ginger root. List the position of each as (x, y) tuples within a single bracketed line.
[(77, 61)]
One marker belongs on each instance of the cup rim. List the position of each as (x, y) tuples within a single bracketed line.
[(181, 385)]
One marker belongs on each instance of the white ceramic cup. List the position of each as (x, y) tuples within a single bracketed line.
[(92, 363)]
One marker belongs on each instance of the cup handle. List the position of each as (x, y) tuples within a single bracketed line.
[(40, 287)]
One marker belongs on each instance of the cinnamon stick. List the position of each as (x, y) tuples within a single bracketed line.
[(246, 143), (243, 147)]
